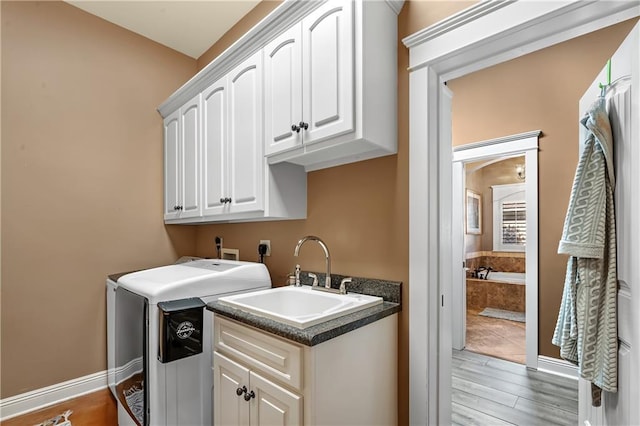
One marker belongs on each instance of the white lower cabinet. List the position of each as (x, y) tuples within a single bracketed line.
[(263, 379), (246, 398)]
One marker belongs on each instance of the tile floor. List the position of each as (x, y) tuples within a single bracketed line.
[(495, 337)]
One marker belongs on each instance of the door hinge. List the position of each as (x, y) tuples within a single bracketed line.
[(442, 299)]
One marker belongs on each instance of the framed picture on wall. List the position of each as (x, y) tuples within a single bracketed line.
[(473, 214)]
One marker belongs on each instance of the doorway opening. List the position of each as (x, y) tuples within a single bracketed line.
[(494, 258), (495, 238)]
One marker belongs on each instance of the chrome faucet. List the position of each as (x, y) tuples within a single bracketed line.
[(327, 280)]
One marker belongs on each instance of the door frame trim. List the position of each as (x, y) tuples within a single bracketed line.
[(473, 39), (524, 144)]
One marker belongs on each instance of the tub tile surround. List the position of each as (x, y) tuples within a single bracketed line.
[(390, 291), (494, 294), (498, 261)]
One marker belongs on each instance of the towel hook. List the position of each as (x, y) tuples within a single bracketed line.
[(603, 87)]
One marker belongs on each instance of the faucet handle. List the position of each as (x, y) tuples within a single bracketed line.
[(343, 285), (315, 279), (297, 283)]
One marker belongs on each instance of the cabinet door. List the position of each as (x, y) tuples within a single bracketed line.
[(246, 161), (190, 146), (229, 408), (171, 165), (283, 91), (328, 71), (273, 405), (214, 148)]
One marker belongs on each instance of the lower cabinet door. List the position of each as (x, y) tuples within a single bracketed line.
[(242, 398), (229, 377), (273, 405)]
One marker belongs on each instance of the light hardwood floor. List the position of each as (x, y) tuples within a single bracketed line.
[(491, 391), (94, 409)]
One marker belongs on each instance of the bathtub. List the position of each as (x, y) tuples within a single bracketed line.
[(501, 290), (507, 277)]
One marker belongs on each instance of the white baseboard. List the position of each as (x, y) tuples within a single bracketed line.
[(43, 397), (558, 367)]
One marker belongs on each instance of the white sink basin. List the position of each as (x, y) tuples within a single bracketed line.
[(300, 307)]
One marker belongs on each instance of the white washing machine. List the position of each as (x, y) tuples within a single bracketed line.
[(159, 338)]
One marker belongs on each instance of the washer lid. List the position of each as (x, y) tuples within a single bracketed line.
[(200, 278)]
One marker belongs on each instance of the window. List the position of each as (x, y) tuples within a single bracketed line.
[(509, 218)]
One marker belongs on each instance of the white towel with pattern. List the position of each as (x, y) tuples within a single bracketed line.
[(586, 331)]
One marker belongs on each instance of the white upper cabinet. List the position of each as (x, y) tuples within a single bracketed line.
[(182, 162), (283, 91), (233, 163), (246, 159), (309, 80), (190, 136), (237, 184), (171, 165), (312, 85), (214, 148), (346, 79), (327, 71)]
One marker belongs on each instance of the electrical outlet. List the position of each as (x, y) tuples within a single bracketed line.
[(268, 243)]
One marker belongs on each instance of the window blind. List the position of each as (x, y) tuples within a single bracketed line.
[(514, 222)]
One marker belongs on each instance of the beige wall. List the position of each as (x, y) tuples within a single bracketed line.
[(82, 180), (539, 91), (500, 173), (473, 181), (81, 183), (254, 16)]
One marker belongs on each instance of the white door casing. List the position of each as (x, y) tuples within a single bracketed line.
[(483, 35)]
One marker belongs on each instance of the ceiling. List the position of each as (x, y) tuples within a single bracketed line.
[(190, 27)]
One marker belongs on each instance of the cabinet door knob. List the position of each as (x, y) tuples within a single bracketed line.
[(227, 200), (241, 390), (248, 396), (295, 128), (304, 125), (180, 207), (175, 207), (223, 200)]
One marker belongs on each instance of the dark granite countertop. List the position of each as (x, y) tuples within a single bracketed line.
[(388, 290)]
